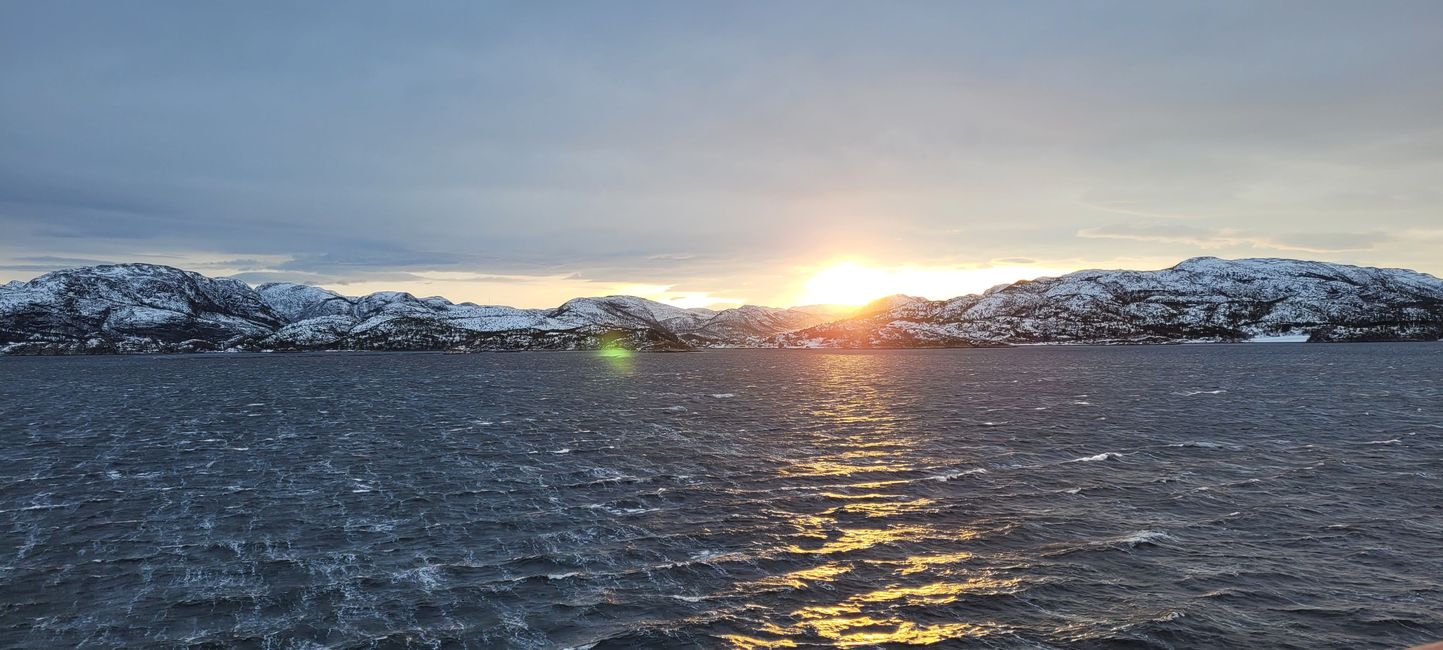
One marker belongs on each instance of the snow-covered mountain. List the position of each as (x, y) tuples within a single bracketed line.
[(149, 308), (297, 302), (1201, 299), (131, 307), (395, 320)]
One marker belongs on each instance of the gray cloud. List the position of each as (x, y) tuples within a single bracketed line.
[(713, 146), (1174, 233)]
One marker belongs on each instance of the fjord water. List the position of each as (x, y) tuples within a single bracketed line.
[(1181, 496)]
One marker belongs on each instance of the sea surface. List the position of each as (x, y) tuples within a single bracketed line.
[(1203, 496)]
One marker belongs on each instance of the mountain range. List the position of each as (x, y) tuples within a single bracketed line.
[(134, 308)]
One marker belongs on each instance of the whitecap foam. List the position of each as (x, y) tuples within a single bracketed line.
[(1106, 455), (428, 577), (952, 475), (1143, 537), (723, 395), (617, 511), (710, 557)]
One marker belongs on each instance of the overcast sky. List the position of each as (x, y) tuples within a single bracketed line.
[(527, 152)]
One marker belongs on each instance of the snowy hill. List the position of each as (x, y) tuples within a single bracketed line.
[(296, 302), (150, 308), (1201, 299), (391, 320), (748, 326), (132, 307)]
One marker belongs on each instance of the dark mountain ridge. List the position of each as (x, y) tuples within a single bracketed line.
[(150, 308)]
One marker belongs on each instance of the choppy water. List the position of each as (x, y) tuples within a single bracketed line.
[(1191, 497)]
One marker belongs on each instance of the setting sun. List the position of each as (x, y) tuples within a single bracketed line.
[(855, 284), (847, 283)]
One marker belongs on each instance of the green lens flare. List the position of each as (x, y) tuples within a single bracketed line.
[(614, 352), (617, 357)]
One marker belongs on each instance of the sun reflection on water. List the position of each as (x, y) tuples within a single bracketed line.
[(856, 539), (803, 577), (938, 593), (829, 467), (920, 563), (881, 508), (851, 597), (846, 629)]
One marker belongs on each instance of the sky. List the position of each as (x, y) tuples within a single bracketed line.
[(709, 153)]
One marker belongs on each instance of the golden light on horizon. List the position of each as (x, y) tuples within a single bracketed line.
[(846, 283), (855, 284)]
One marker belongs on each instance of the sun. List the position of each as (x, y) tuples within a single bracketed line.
[(851, 283), (847, 283)]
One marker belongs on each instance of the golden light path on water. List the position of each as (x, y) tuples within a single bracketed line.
[(867, 517), (1071, 497)]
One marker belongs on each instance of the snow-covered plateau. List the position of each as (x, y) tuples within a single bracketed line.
[(129, 308)]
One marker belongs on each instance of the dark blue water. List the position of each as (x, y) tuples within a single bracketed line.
[(1189, 497)]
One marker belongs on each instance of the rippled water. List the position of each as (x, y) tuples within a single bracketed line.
[(1188, 496)]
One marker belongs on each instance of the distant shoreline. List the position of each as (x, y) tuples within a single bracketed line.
[(293, 353)]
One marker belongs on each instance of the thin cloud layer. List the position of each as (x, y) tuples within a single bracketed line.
[(714, 150), (1228, 238)]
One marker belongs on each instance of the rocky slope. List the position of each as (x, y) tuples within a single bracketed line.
[(148, 308), (130, 307), (1201, 299)]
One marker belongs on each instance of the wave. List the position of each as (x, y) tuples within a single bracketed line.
[(427, 577), (1130, 541), (954, 475), (609, 480), (1106, 455), (620, 511), (1142, 537)]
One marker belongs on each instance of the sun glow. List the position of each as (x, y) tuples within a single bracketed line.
[(853, 283), (846, 283)]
